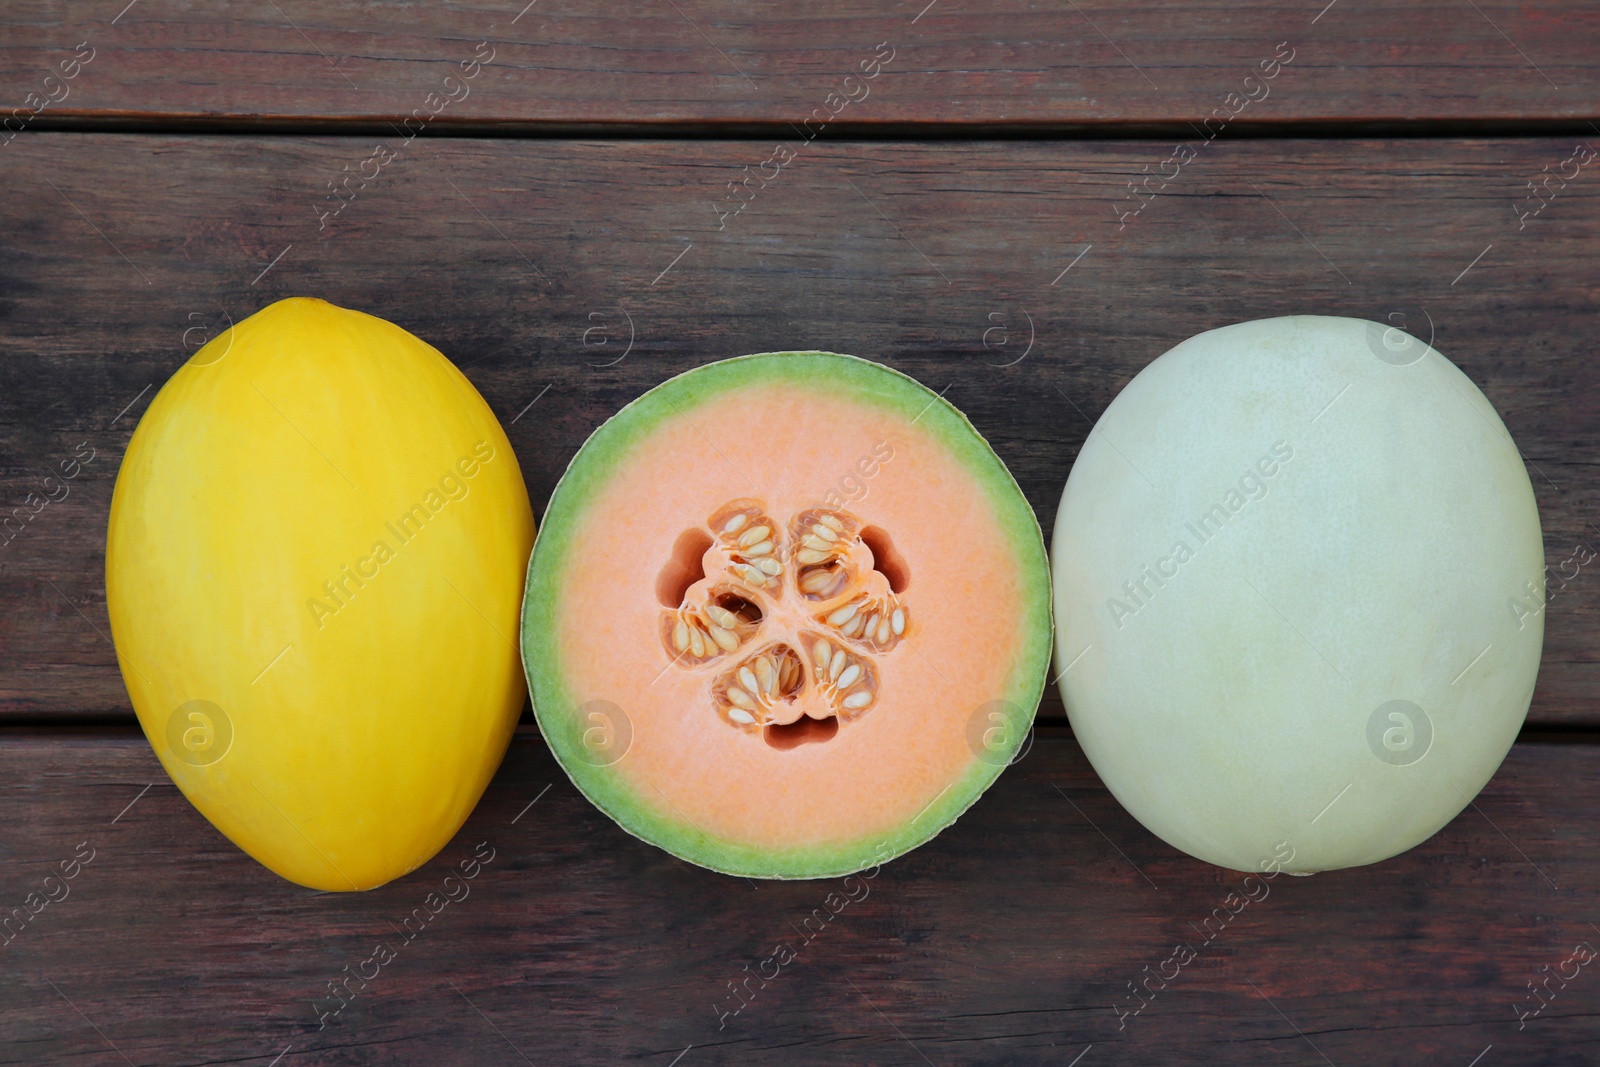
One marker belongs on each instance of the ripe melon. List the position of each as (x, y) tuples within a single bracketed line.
[(787, 616), (1299, 578), (313, 569)]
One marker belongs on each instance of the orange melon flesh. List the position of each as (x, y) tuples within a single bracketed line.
[(821, 740)]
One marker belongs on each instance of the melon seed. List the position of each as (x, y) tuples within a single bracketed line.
[(816, 581), (844, 614)]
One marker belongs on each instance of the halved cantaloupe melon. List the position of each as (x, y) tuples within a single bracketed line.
[(787, 616)]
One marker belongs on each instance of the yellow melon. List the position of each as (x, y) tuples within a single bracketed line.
[(313, 570)]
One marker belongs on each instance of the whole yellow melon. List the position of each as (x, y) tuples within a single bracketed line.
[(313, 571)]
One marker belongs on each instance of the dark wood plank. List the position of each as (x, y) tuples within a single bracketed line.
[(1006, 940), (561, 63), (532, 263)]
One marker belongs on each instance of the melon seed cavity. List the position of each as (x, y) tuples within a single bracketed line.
[(787, 621)]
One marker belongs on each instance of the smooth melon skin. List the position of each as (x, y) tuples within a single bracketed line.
[(1373, 538), (315, 551), (905, 728)]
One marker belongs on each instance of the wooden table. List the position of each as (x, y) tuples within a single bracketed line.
[(1021, 207)]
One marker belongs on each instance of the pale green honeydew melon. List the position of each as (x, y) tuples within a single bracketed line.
[(1298, 594)]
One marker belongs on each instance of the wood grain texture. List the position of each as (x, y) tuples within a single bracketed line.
[(1019, 62), (1006, 940), (533, 263), (568, 276)]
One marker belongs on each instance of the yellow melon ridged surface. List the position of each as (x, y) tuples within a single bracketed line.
[(314, 570)]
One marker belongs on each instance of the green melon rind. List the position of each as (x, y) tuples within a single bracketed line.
[(611, 444)]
